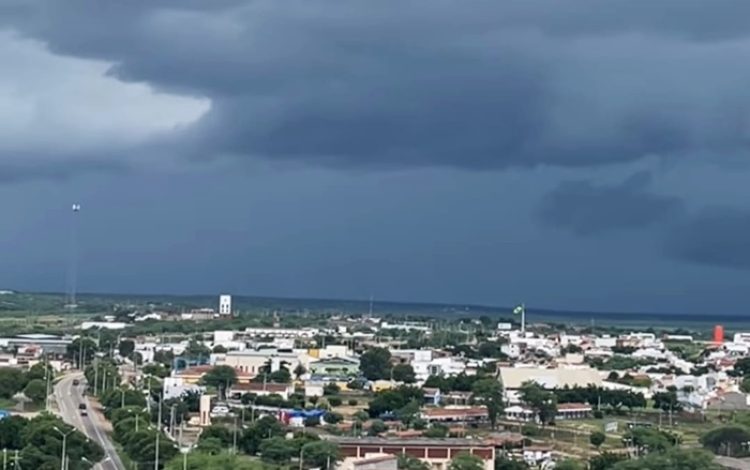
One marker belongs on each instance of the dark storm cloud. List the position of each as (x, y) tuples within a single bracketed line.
[(489, 85), (717, 236), (55, 170), (587, 208)]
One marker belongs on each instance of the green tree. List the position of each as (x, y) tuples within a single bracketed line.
[(745, 385), (605, 460), (202, 461), (543, 402), (39, 371), (264, 428), (666, 401), (597, 438), (650, 440), (320, 454), (221, 377), (73, 351), (490, 393), (332, 418), (504, 463), (727, 440), (126, 347), (568, 464), (674, 459), (742, 366), (12, 381), (10, 432), (375, 364), (211, 446), (155, 369), (436, 431), (407, 462), (377, 426), (217, 431), (299, 371), (404, 373), (465, 461), (196, 350), (275, 450), (36, 390)]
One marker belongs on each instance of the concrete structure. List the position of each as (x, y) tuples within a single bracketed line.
[(175, 387), (335, 367), (375, 461), (225, 304), (513, 378), (205, 410), (437, 452), (193, 375), (261, 389), (50, 344), (455, 414), (103, 325), (252, 362), (282, 332), (314, 388)]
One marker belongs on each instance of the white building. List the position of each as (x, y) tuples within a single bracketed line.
[(175, 387), (225, 304)]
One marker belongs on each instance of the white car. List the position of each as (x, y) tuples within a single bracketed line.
[(219, 410)]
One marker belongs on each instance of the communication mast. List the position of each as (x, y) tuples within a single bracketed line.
[(70, 296)]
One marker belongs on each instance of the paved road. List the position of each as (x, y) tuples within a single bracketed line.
[(68, 398)]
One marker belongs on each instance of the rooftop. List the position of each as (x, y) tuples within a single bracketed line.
[(408, 442)]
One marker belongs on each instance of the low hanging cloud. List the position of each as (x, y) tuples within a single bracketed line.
[(715, 236), (586, 208), (419, 83)]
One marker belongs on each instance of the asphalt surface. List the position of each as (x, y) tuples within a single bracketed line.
[(69, 397)]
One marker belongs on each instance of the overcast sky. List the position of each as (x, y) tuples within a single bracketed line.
[(575, 155)]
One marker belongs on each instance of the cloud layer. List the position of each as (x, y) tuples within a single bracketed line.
[(420, 83), (587, 208)]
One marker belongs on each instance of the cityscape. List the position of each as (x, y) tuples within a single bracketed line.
[(374, 235), (153, 384)]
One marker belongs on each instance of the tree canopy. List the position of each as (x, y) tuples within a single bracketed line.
[(375, 364), (466, 461)]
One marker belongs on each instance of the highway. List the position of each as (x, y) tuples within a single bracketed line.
[(68, 397)]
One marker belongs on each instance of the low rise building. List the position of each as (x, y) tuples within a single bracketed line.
[(436, 452), (374, 461), (455, 414)]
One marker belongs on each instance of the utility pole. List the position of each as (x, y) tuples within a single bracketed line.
[(64, 442), (234, 437), (158, 433), (96, 375)]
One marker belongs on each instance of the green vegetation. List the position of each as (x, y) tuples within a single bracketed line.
[(728, 440), (465, 461), (39, 442)]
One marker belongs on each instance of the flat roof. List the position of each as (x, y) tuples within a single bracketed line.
[(382, 441)]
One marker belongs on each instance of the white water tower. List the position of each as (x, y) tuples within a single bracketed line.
[(225, 304)]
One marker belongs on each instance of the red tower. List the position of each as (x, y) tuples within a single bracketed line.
[(718, 334)]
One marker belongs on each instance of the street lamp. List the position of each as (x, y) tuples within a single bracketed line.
[(64, 442), (122, 397)]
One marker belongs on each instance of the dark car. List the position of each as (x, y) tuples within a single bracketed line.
[(82, 408), (76, 382)]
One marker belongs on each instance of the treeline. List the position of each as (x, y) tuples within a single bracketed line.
[(597, 396), (39, 443)]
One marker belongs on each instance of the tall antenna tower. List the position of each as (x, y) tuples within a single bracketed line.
[(70, 300)]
